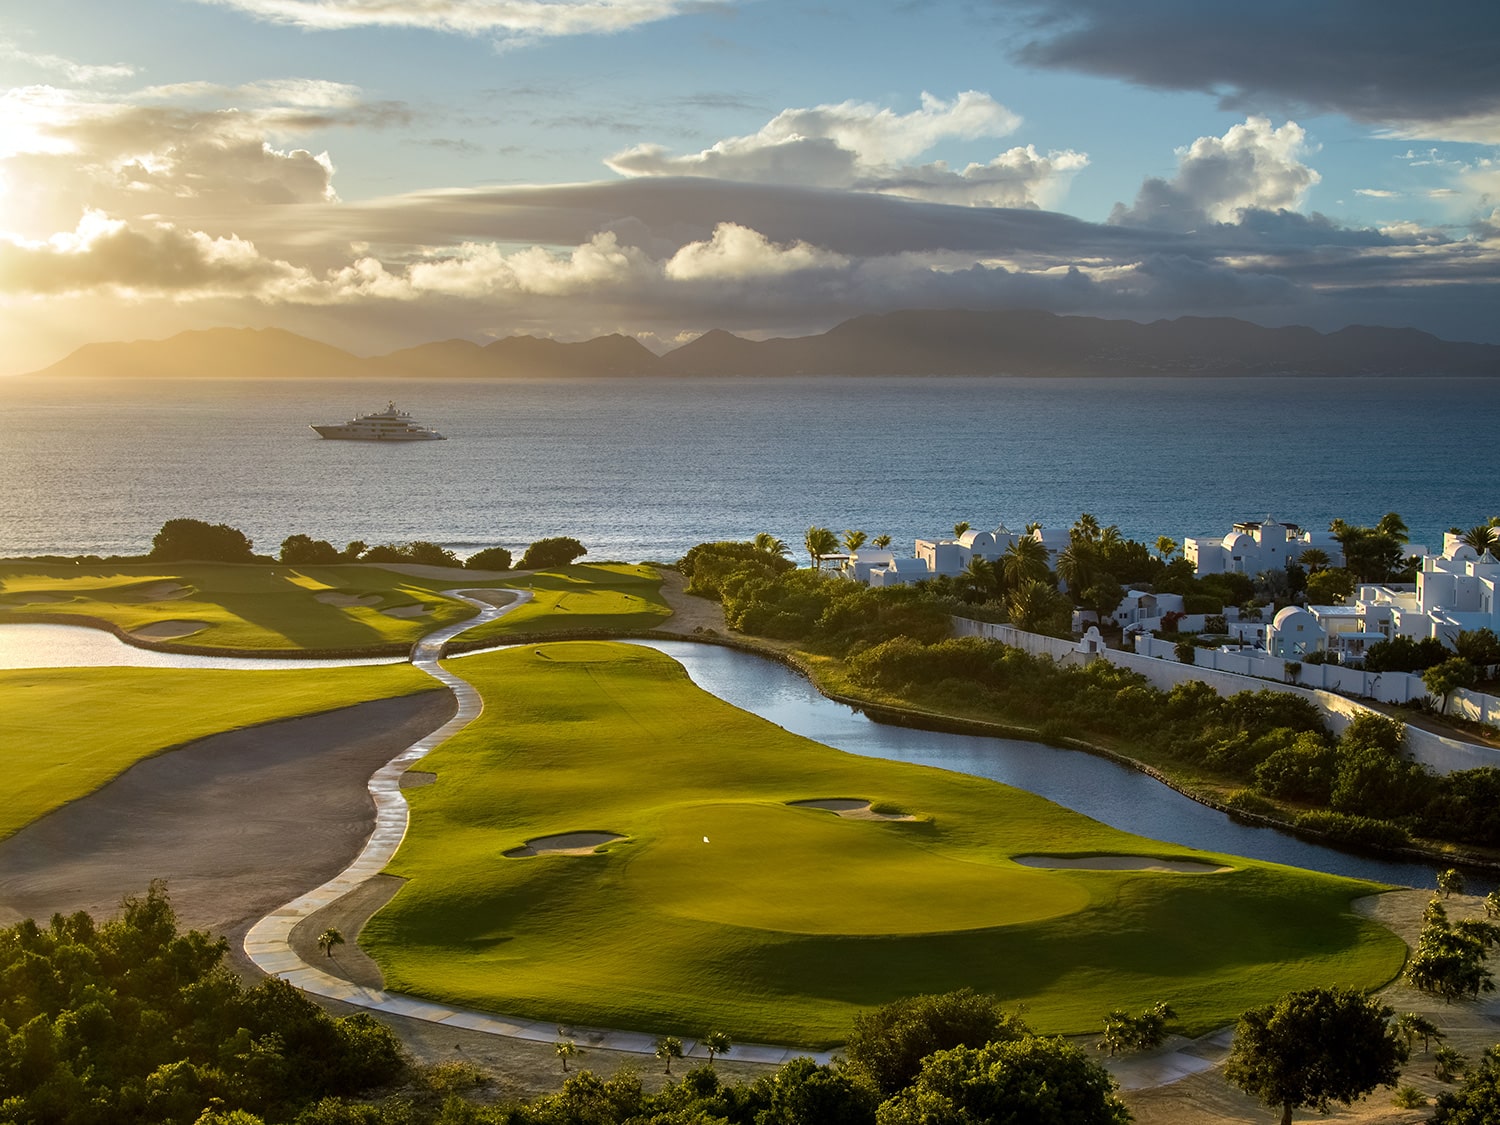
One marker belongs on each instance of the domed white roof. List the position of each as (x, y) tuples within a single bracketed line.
[(972, 539), (1290, 613), (1238, 541)]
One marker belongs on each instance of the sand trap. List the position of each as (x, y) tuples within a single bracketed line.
[(406, 611), (568, 843), (849, 808), (1120, 863), (162, 591), (333, 597), (166, 630)]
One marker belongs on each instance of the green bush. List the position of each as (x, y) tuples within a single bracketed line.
[(1202, 603), (1360, 831), (491, 558)]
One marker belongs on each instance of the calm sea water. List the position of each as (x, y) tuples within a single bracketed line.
[(643, 469)]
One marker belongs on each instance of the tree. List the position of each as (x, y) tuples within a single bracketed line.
[(1315, 559), (1314, 1047), (1412, 1026), (566, 1049), (882, 541), (716, 1043), (1076, 565), (1166, 547), (1403, 654), (303, 550), (978, 577), (1480, 647), (1448, 1064), (353, 550), (959, 528), (1449, 960), (1186, 652), (888, 1045), (1329, 587), (669, 1047), (1103, 595), (1451, 882), (1492, 905), (559, 550), (1036, 607), (1477, 1102), (1393, 525), (328, 939), (1482, 537), (1085, 530), (854, 540), (1025, 560), (491, 558), (765, 541), (820, 542), (1445, 678), (1145, 1032), (185, 539), (1023, 1080)]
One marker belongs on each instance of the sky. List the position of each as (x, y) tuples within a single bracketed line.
[(380, 173)]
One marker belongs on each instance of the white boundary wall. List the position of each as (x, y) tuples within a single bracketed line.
[(1443, 755)]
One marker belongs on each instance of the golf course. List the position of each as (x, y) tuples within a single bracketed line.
[(666, 873)]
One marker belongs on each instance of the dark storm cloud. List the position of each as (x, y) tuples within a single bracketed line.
[(1389, 62)]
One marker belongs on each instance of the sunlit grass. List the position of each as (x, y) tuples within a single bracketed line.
[(592, 597), (722, 907)]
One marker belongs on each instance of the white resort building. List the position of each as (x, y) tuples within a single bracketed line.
[(1457, 591), (1256, 545)]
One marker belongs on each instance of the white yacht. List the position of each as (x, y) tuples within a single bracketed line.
[(389, 424)]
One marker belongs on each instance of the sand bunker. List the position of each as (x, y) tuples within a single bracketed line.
[(167, 630), (162, 591), (849, 808), (333, 597), (568, 843), (406, 611), (1120, 863)]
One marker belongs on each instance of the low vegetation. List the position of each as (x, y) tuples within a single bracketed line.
[(583, 598), (722, 906), (71, 730)]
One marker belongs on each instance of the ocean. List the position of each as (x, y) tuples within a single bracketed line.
[(642, 469)]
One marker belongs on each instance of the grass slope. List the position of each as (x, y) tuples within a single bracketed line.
[(602, 597), (249, 607), (68, 731), (787, 922)]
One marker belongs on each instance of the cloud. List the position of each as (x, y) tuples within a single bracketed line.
[(735, 253), (514, 19), (85, 74), (1252, 166), (1382, 62), (865, 147), (159, 260), (1377, 193)]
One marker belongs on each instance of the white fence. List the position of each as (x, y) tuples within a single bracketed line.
[(1230, 672)]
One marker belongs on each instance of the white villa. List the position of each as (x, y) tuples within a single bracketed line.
[(934, 557), (1455, 592), (1256, 545)]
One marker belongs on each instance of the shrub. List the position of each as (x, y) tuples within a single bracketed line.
[(303, 550), (1202, 603), (491, 558), (1249, 801), (1358, 831), (546, 553), (185, 539)]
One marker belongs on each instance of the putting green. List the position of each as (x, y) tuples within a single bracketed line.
[(790, 922), (584, 597), (728, 863)]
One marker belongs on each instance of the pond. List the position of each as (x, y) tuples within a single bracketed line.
[(79, 646)]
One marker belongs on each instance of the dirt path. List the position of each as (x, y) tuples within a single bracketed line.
[(689, 613)]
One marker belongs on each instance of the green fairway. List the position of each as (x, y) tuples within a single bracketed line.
[(254, 608), (593, 597), (723, 907), (67, 731)]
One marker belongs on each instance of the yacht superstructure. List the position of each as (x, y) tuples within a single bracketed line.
[(389, 424)]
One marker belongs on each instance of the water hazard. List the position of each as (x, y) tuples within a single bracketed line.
[(78, 646)]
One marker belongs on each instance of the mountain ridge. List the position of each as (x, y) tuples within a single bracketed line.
[(1015, 342)]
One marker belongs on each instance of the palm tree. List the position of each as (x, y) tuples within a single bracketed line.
[(1033, 527), (716, 1043), (1033, 605), (1166, 547), (960, 527), (1024, 560), (882, 541), (1413, 1025), (820, 543), (979, 575), (669, 1047), (854, 540), (1393, 525), (1076, 565), (1314, 559), (1084, 530), (1482, 537), (1110, 538), (765, 541), (328, 939), (566, 1049)]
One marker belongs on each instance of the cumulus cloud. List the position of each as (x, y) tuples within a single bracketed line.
[(1383, 62), (82, 73), (157, 260), (1252, 166), (523, 19), (865, 147), (735, 253)]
